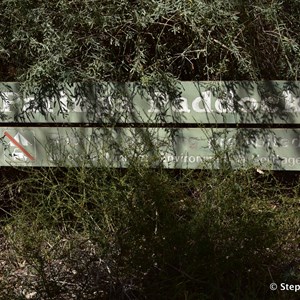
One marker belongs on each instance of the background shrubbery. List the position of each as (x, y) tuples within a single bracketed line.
[(128, 40)]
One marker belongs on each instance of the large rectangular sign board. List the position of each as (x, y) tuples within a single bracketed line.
[(193, 125)]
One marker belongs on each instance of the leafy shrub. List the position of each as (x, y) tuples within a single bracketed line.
[(143, 233), (129, 40)]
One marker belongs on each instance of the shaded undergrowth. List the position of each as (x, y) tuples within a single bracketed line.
[(142, 233)]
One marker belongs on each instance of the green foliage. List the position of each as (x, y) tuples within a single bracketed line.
[(145, 233), (126, 40)]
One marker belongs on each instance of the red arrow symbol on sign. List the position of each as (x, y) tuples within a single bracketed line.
[(17, 144)]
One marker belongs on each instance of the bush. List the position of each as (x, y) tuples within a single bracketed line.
[(142, 233), (131, 40)]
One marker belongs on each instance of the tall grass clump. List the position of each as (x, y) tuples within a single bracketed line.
[(145, 233)]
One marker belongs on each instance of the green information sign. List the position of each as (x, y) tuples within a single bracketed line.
[(112, 123)]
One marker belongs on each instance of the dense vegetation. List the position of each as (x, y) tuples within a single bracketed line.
[(144, 233), (125, 40)]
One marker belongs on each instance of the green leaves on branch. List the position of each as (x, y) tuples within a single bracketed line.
[(127, 40)]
